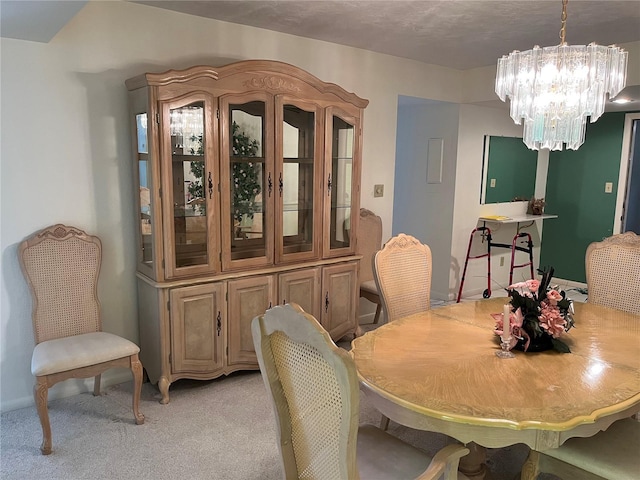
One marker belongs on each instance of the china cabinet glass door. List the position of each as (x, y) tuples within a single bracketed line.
[(299, 178), (144, 180), (341, 182), (189, 188), (247, 199)]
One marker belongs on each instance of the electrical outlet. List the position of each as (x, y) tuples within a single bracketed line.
[(608, 187), (378, 190), (493, 183)]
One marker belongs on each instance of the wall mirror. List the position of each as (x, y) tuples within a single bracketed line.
[(509, 170)]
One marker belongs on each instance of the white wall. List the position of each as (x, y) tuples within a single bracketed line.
[(429, 212), (65, 149), (475, 123), (421, 209)]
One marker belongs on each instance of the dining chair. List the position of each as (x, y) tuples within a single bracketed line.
[(61, 265), (613, 270), (313, 385), (402, 272), (368, 243), (611, 454), (612, 267)]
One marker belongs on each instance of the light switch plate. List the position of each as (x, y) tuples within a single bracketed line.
[(378, 190), (608, 187), (493, 183)]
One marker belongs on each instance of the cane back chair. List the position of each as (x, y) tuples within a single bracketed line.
[(402, 271), (313, 385), (61, 265), (613, 272), (369, 242), (613, 280)]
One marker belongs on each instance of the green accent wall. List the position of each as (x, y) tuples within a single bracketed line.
[(575, 192), (513, 167)]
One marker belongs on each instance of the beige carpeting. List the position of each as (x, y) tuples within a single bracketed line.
[(217, 430), (220, 429)]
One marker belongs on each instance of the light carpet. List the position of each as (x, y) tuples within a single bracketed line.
[(221, 429)]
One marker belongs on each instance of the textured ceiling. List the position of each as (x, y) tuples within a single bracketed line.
[(460, 34)]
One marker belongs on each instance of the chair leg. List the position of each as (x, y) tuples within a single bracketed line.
[(136, 368), (40, 395), (96, 386), (377, 316)]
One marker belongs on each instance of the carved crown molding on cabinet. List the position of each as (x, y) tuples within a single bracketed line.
[(264, 68), (272, 82)]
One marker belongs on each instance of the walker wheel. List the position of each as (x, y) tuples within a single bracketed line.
[(486, 293)]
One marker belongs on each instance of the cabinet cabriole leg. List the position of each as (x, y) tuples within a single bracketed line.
[(163, 385)]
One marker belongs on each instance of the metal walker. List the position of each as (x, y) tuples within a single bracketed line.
[(485, 233)]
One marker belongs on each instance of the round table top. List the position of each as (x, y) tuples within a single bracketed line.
[(442, 364)]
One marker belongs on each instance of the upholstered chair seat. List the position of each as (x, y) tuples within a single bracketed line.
[(369, 286), (77, 351)]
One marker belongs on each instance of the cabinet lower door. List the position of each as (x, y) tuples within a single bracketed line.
[(339, 283), (197, 323), (301, 287), (248, 298)]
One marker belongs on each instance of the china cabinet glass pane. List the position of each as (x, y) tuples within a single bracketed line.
[(189, 184), (341, 170), (248, 198), (145, 196), (298, 138)]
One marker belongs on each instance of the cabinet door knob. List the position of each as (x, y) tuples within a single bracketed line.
[(326, 303), (210, 180), (281, 183), (219, 324), (329, 185), (270, 183)]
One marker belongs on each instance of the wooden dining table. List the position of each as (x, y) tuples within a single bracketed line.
[(437, 371)]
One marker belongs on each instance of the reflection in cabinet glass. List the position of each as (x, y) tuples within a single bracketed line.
[(145, 197), (187, 166), (341, 169), (247, 158), (297, 178)]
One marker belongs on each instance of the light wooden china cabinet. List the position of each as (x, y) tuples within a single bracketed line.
[(247, 183)]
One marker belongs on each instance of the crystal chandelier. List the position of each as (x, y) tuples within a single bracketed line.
[(555, 89)]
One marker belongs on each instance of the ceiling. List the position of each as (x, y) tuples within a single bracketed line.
[(460, 34)]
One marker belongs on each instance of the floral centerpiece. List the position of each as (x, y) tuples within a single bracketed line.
[(540, 315)]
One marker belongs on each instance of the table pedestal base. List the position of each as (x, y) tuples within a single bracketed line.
[(530, 467), (472, 465)]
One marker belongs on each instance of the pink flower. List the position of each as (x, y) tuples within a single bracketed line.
[(517, 332), (554, 297), (551, 320), (533, 285)]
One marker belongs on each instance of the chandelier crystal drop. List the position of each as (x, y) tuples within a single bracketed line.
[(555, 89)]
